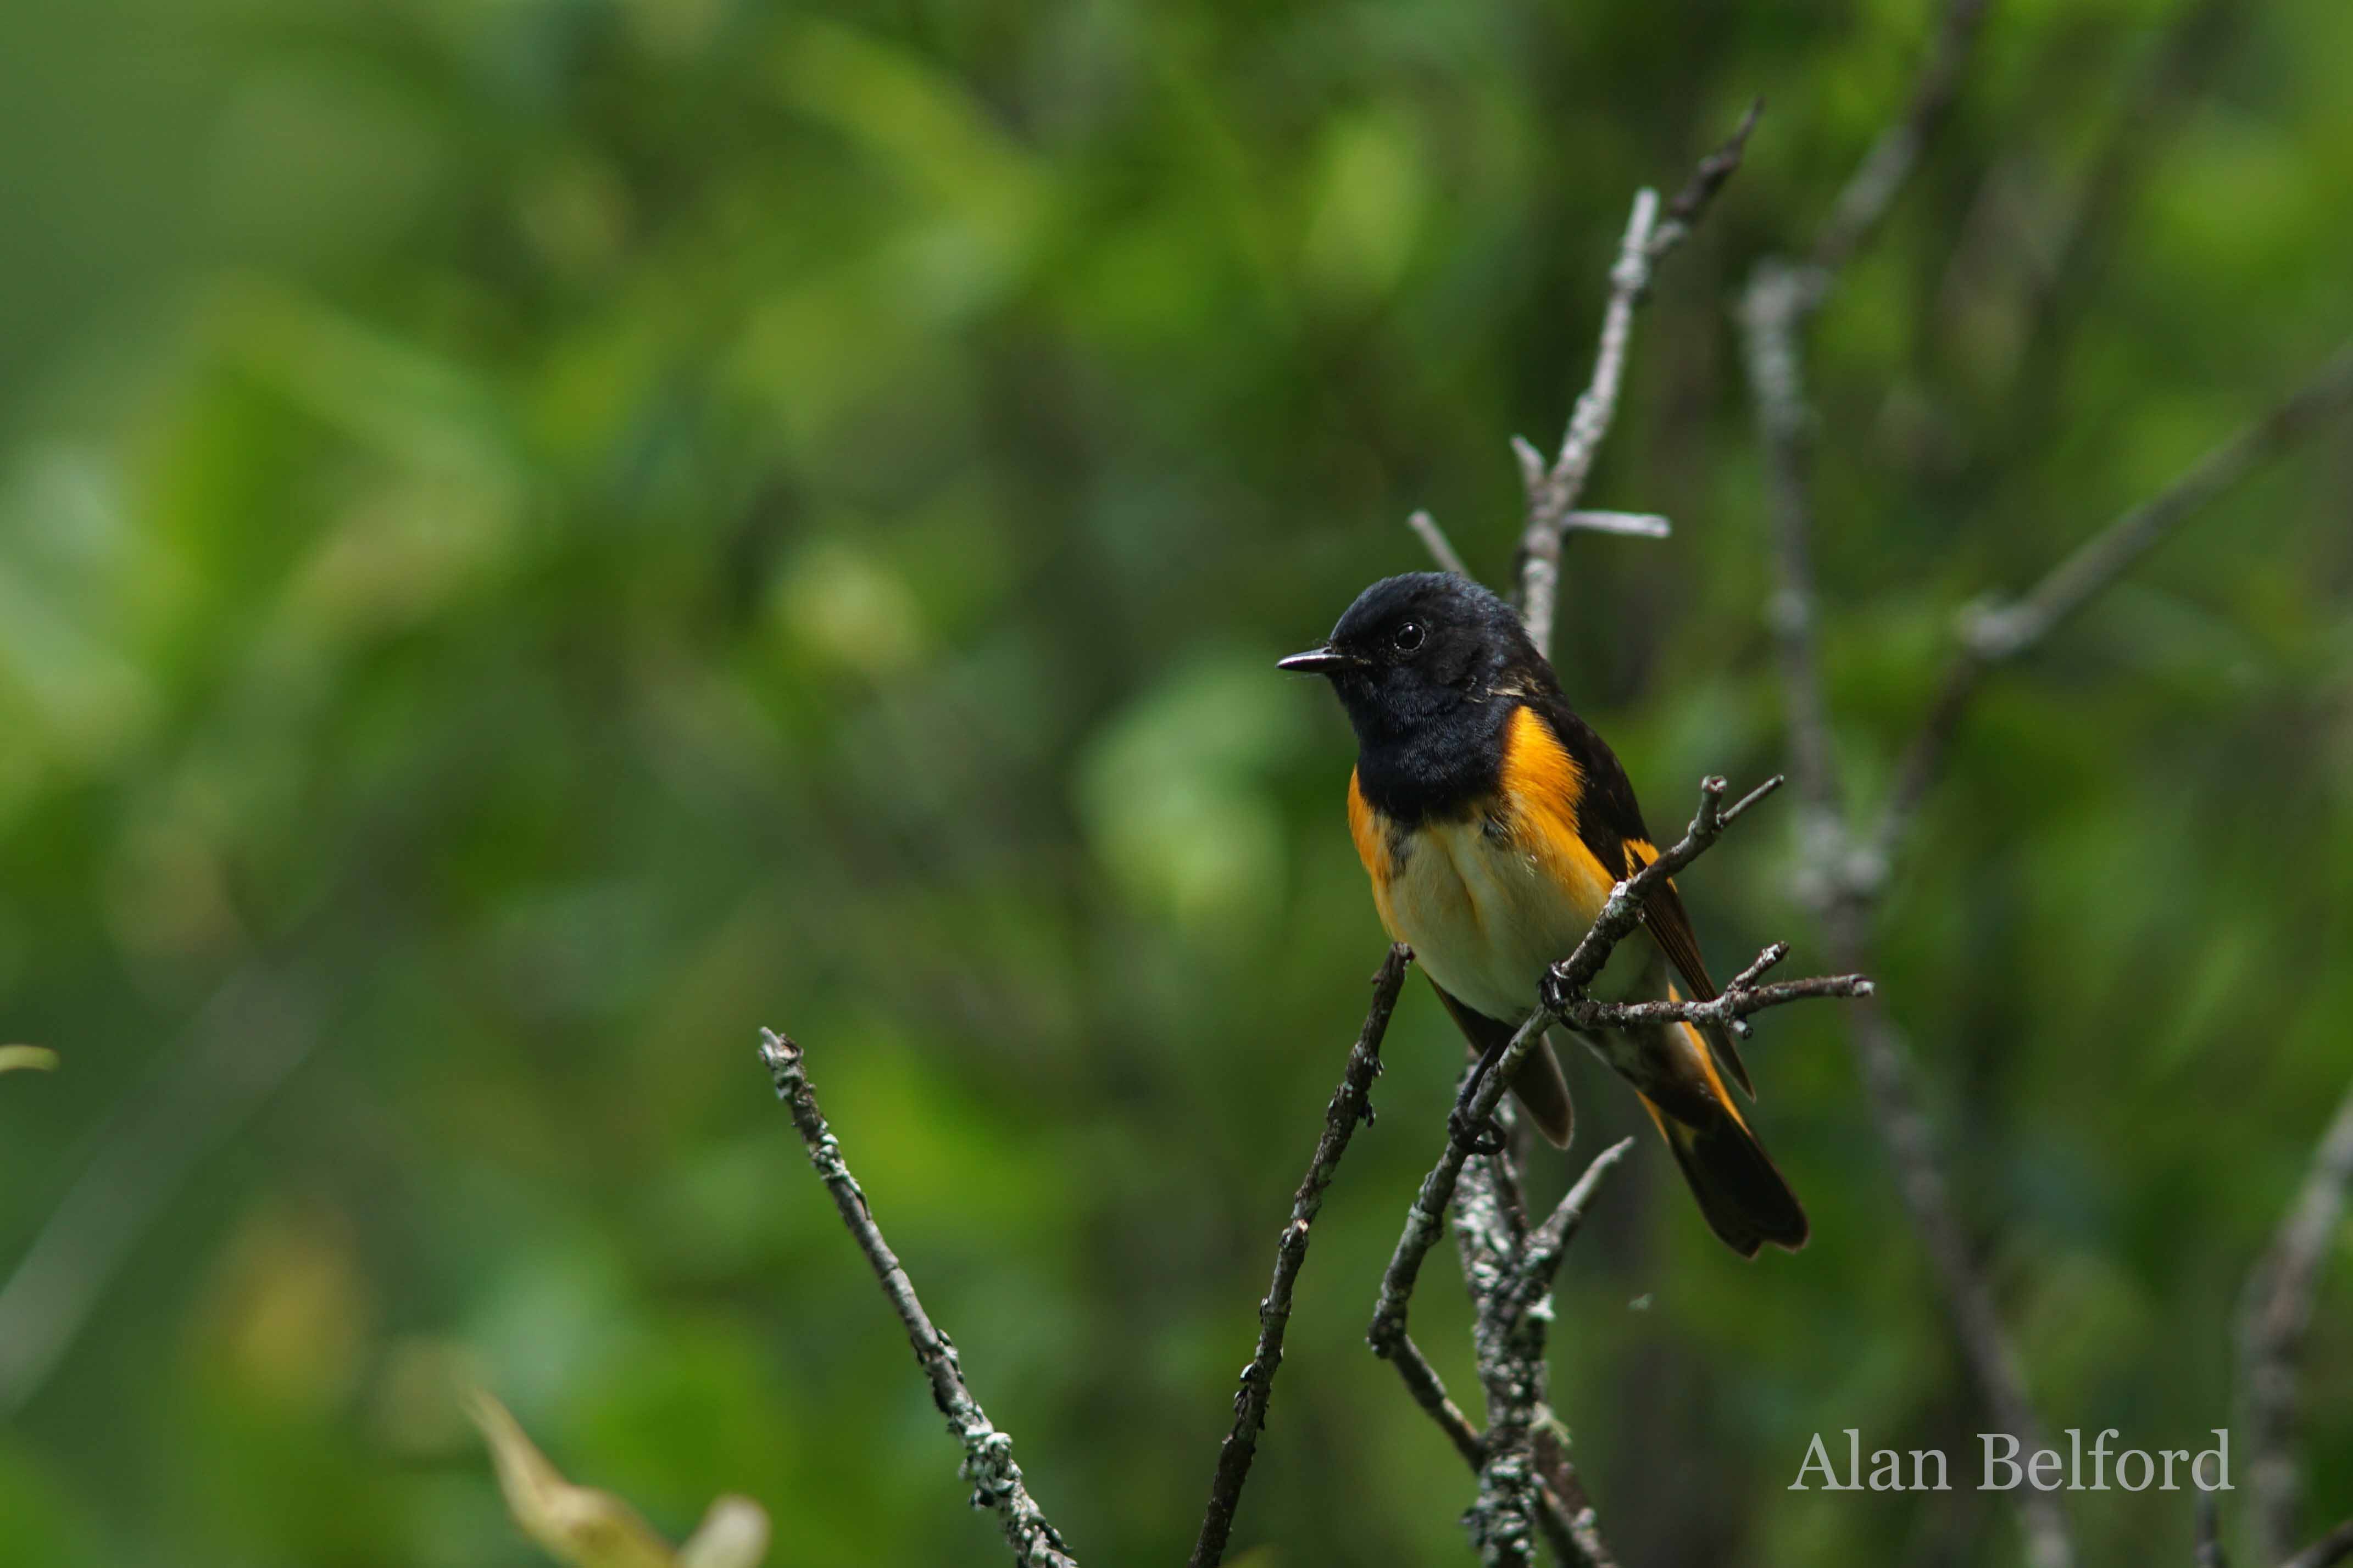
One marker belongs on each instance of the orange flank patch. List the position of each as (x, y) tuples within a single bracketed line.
[(1373, 849), (1544, 782), (1707, 1064)]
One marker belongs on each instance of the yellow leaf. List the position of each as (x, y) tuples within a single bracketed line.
[(15, 1056), (733, 1534), (578, 1525)]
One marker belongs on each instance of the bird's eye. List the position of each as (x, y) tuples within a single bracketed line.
[(1407, 637)]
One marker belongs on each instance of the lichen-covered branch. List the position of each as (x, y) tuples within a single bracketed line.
[(997, 1482), (1351, 1103), (1511, 1373), (1513, 1492)]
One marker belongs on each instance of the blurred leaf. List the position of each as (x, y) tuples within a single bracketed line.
[(591, 1529)]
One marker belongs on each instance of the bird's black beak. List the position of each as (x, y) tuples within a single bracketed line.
[(1316, 661)]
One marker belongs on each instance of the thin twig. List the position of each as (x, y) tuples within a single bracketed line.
[(1578, 1535), (988, 1453), (1627, 525), (1622, 910), (1968, 1299), (1421, 1381), (1553, 488), (1887, 167), (2331, 1549), (1682, 213), (2199, 43), (1732, 1005), (1540, 1259), (1772, 313), (249, 1038), (1992, 635), (1351, 1103), (1553, 494), (1442, 549), (2274, 1312)]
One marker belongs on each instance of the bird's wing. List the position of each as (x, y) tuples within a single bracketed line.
[(1609, 820)]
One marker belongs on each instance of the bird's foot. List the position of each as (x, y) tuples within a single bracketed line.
[(1484, 1136)]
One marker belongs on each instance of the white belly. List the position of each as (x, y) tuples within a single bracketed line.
[(1482, 916)]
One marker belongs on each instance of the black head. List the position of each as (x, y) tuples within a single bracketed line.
[(1424, 650)]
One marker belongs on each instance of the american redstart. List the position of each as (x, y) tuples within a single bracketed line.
[(1494, 823)]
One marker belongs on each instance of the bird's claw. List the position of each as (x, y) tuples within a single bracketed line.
[(1553, 993), (1484, 1136)]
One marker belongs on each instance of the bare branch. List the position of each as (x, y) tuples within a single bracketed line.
[(1421, 1381), (1553, 489), (1772, 313), (1841, 876), (1774, 309), (1885, 169), (2274, 1311), (2207, 1514), (1730, 1005), (1551, 500), (2331, 1549), (1568, 1520), (249, 1038), (1920, 1181), (1631, 524), (1992, 635), (1540, 1259), (1684, 212), (1442, 549), (988, 1453), (1998, 634), (1351, 1103)]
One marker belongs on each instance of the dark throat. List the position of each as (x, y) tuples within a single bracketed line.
[(1440, 767)]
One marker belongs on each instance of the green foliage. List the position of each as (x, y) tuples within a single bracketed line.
[(567, 529)]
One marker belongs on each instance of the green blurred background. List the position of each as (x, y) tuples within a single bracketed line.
[(537, 536)]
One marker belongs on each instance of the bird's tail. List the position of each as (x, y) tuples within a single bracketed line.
[(1744, 1197)]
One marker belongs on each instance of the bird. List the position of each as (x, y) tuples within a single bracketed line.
[(1494, 823)]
